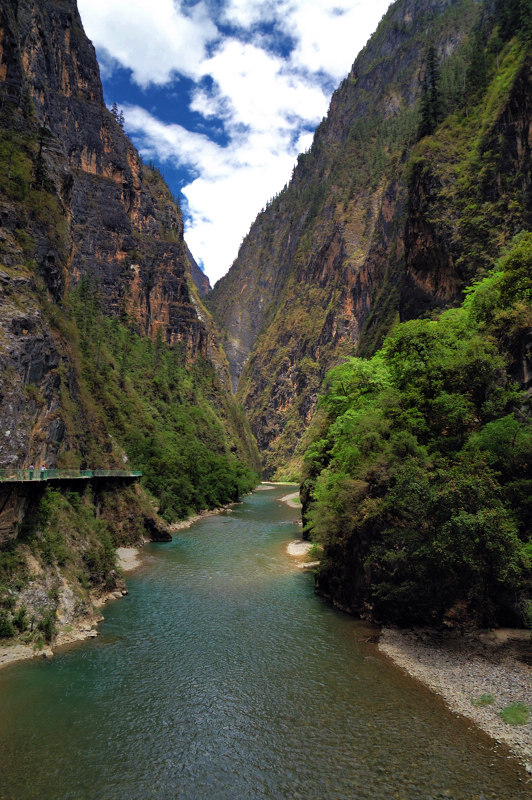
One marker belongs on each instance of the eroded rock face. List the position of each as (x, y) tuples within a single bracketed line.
[(14, 501), (126, 231), (321, 270), (29, 381), (365, 235), (78, 202)]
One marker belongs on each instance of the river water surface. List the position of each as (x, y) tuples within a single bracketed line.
[(221, 676)]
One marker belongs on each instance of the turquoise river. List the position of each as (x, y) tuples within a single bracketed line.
[(221, 676)]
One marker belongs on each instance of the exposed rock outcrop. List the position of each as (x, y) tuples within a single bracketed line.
[(77, 203), (372, 228)]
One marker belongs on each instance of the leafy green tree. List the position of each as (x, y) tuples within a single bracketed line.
[(7, 629), (419, 478), (516, 266), (166, 413)]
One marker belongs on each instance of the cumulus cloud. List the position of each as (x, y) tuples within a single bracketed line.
[(257, 89), (327, 34), (247, 13), (233, 182), (264, 83), (155, 40), (315, 24)]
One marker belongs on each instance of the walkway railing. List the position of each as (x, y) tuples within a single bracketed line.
[(22, 475)]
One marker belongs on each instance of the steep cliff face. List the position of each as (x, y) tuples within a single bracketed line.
[(106, 352), (77, 203), (363, 235), (201, 280), (469, 189), (126, 231)]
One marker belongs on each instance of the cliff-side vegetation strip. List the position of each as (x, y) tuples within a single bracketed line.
[(420, 483), (170, 415), (64, 554)]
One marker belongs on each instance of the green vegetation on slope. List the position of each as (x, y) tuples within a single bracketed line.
[(468, 182), (174, 419), (420, 483), (171, 417), (63, 538), (479, 199), (377, 224), (120, 394)]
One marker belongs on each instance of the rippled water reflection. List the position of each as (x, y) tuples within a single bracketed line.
[(222, 677)]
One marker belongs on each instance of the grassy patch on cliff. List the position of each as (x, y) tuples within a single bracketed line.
[(479, 200), (516, 714)]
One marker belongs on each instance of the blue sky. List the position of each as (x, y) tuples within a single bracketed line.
[(222, 95)]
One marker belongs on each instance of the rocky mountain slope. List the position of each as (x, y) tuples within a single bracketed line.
[(107, 356), (374, 225), (77, 202)]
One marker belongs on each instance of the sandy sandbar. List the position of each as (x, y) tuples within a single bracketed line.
[(298, 547), (186, 523), (19, 652), (291, 500), (128, 558)]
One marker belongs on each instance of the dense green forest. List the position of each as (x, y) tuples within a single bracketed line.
[(420, 482), (417, 488)]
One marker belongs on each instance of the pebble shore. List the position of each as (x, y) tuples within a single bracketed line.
[(461, 669)]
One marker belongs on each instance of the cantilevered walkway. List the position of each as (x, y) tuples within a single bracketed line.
[(20, 486), (64, 475)]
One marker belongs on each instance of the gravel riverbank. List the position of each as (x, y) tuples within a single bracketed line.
[(186, 523), (128, 558), (291, 500), (461, 669)]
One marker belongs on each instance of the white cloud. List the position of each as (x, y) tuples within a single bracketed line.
[(327, 33), (330, 34), (222, 210), (171, 142), (256, 89), (264, 98), (233, 182), (154, 40), (246, 13)]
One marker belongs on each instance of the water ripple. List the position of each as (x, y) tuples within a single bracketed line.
[(221, 676)]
